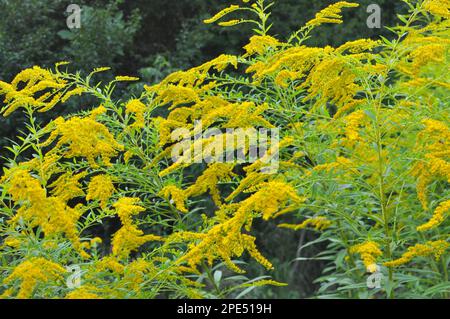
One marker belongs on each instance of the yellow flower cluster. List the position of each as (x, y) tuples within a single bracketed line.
[(435, 141), (331, 14), (222, 13), (83, 292), (41, 90), (100, 188), (33, 271), (52, 214), (210, 179), (438, 7), (226, 240), (327, 74), (177, 195), (438, 216), (129, 237), (369, 252), (68, 186), (430, 248), (83, 137), (319, 223), (259, 44), (138, 109)]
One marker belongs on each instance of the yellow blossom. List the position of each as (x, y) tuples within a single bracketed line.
[(259, 44), (369, 252), (177, 195), (138, 109), (123, 78), (222, 13), (438, 216), (331, 14), (319, 223), (100, 188), (436, 248), (84, 137), (33, 271)]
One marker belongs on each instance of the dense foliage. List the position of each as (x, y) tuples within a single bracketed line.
[(362, 162)]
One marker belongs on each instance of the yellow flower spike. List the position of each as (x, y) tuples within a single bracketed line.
[(372, 268), (209, 180), (230, 23), (33, 271), (100, 188), (129, 238), (358, 46), (430, 248), (319, 223), (110, 263), (12, 242), (95, 113), (77, 91), (438, 7), (138, 109), (177, 195), (84, 137), (83, 292), (221, 14), (67, 186), (369, 252), (331, 14), (124, 78), (126, 207), (438, 217), (101, 69), (35, 80), (226, 240), (259, 44)]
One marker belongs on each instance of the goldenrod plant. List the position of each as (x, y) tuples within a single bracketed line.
[(362, 159)]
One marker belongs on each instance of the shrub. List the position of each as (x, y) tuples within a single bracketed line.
[(362, 160)]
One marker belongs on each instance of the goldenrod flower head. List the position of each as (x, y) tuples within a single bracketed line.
[(138, 109), (331, 14), (177, 195), (95, 113), (33, 271), (35, 80), (259, 44), (83, 292), (230, 23), (126, 207), (209, 180), (369, 252), (68, 186), (129, 238), (358, 46), (124, 78), (84, 137), (100, 188), (438, 7), (101, 69), (436, 248), (12, 242), (319, 223), (438, 216), (77, 91), (222, 13)]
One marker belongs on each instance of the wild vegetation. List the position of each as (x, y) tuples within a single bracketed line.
[(363, 163)]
